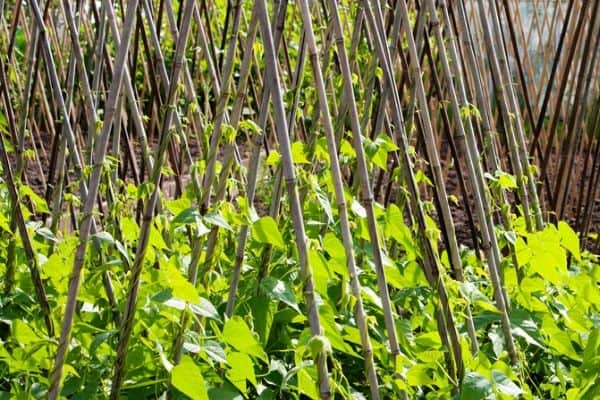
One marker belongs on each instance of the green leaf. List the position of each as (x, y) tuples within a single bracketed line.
[(129, 229), (4, 223), (237, 334), (156, 239), (592, 348), (205, 309), (186, 378), (214, 351), (273, 158), (320, 269), (475, 386), (307, 385), (334, 247), (358, 209), (558, 339), (251, 126), (262, 313), (23, 333), (298, 153), (47, 234), (265, 231), (380, 158), (38, 202), (242, 370), (505, 385), (548, 258), (419, 375), (569, 239), (279, 290), (181, 287), (506, 181), (216, 218), (178, 206), (187, 216), (333, 332), (227, 393)]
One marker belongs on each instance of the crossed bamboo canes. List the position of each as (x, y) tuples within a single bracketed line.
[(519, 117)]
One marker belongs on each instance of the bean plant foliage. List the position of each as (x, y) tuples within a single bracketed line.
[(265, 350), (293, 200)]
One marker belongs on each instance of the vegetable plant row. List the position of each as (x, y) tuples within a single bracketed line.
[(326, 199)]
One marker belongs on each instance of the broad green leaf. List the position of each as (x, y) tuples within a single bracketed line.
[(380, 158), (214, 351), (505, 385), (475, 386), (569, 239), (265, 231), (262, 312), (47, 234), (506, 181), (429, 340), (186, 378), (322, 198), (273, 158), (23, 333), (279, 290), (397, 229), (251, 126), (334, 247), (421, 177), (57, 269), (298, 153), (38, 202), (334, 332), (522, 333), (186, 216), (346, 150), (180, 286), (129, 229), (358, 209), (241, 370), (523, 252), (320, 271), (413, 275), (592, 349), (419, 375), (178, 205), (4, 223), (307, 385), (558, 340), (533, 285), (548, 258), (106, 237), (205, 308), (156, 239), (70, 370), (430, 356), (228, 393), (237, 334), (216, 218)]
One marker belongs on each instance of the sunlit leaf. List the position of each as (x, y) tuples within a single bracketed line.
[(186, 378), (279, 290), (265, 231), (569, 239), (237, 334)]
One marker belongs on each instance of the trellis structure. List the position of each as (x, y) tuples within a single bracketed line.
[(96, 95)]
